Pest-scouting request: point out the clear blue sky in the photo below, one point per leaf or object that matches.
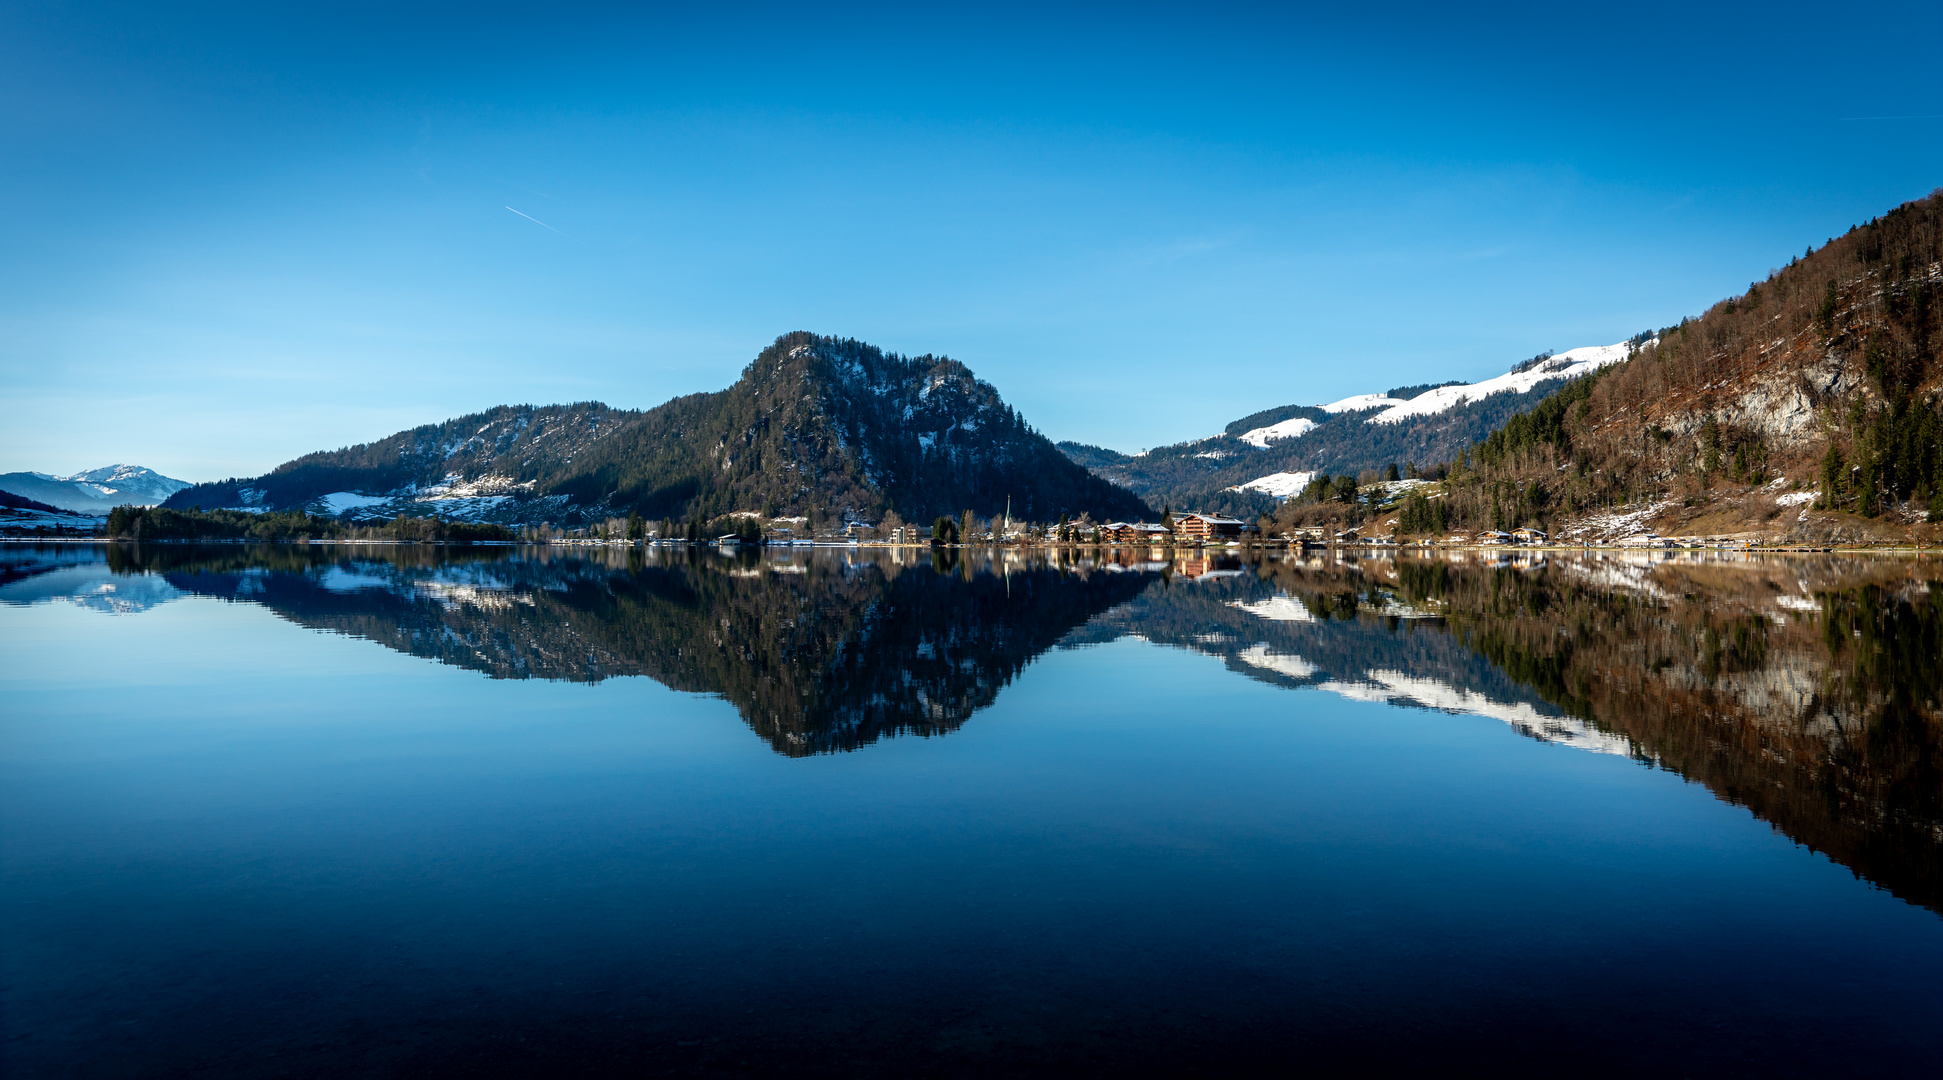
(234, 235)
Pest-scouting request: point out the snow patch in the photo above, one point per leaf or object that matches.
(1392, 489)
(465, 508)
(1363, 403)
(1288, 429)
(1615, 524)
(337, 502)
(1281, 485)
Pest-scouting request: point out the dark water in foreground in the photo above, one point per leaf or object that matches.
(386, 813)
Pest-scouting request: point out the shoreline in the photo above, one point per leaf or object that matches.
(1176, 549)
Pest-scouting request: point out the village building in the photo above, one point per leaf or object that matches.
(1140, 532)
(1206, 528)
(1645, 540)
(1493, 536)
(1529, 536)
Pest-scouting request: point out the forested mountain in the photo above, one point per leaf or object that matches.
(1273, 453)
(814, 425)
(1806, 409)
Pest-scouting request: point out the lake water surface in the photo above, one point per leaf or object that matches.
(397, 811)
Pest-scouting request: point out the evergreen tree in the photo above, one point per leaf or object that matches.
(1831, 477)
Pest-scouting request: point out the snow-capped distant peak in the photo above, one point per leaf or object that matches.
(110, 474)
(95, 490)
(113, 477)
(1287, 429)
(1360, 403)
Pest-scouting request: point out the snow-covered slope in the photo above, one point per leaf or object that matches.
(1386, 410)
(1565, 365)
(1273, 452)
(488, 499)
(26, 521)
(1360, 403)
(1281, 485)
(1287, 429)
(95, 491)
(496, 499)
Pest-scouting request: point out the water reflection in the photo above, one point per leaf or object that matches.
(1805, 689)
(819, 654)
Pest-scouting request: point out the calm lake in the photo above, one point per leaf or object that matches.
(398, 811)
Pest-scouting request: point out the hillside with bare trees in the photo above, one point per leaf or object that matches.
(1804, 409)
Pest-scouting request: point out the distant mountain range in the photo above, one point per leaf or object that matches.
(1271, 454)
(96, 491)
(814, 425)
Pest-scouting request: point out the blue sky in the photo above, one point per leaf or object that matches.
(237, 234)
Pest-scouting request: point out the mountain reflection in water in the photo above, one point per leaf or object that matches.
(1805, 689)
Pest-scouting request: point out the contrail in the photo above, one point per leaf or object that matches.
(538, 222)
